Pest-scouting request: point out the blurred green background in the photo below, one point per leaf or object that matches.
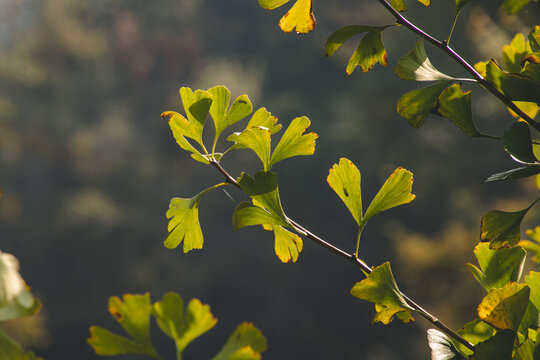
(87, 168)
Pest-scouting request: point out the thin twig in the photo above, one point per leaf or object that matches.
(352, 258)
(443, 45)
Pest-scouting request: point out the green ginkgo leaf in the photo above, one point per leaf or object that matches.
(380, 288)
(196, 105)
(272, 4)
(263, 189)
(503, 308)
(294, 142)
(513, 6)
(532, 246)
(395, 191)
(182, 328)
(519, 87)
(516, 173)
(425, 2)
(455, 105)
(263, 118)
(337, 38)
(256, 139)
(344, 178)
(416, 66)
(501, 228)
(180, 128)
(442, 347)
(133, 313)
(287, 245)
(498, 267)
(224, 116)
(247, 214)
(398, 5)
(300, 16)
(370, 51)
(515, 52)
(246, 343)
(533, 281)
(534, 38)
(416, 105)
(497, 347)
(517, 142)
(528, 350)
(474, 332)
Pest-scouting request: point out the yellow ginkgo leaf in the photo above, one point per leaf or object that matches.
(300, 17)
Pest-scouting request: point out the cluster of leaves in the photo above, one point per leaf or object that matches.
(182, 326)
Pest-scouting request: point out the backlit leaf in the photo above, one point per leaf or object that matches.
(520, 87)
(504, 308)
(532, 246)
(133, 313)
(294, 142)
(256, 139)
(498, 347)
(184, 224)
(182, 328)
(263, 189)
(515, 52)
(300, 16)
(498, 267)
(247, 214)
(380, 288)
(513, 6)
(263, 118)
(395, 191)
(455, 105)
(516, 173)
(533, 281)
(425, 2)
(399, 5)
(344, 178)
(337, 38)
(534, 38)
(224, 116)
(530, 319)
(416, 66)
(416, 105)
(246, 343)
(529, 108)
(474, 332)
(527, 351)
(442, 347)
(180, 128)
(196, 105)
(287, 245)
(272, 4)
(517, 142)
(481, 67)
(501, 228)
(370, 50)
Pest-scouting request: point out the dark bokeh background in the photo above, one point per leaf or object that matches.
(87, 168)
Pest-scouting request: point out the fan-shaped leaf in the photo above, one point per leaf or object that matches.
(517, 142)
(398, 5)
(516, 173)
(474, 332)
(337, 38)
(504, 308)
(294, 142)
(263, 189)
(300, 16)
(196, 105)
(245, 343)
(534, 38)
(520, 87)
(395, 191)
(380, 288)
(224, 116)
(287, 245)
(498, 347)
(533, 281)
(370, 50)
(416, 105)
(513, 6)
(515, 52)
(272, 4)
(455, 105)
(442, 347)
(256, 139)
(501, 228)
(498, 266)
(247, 214)
(416, 66)
(532, 246)
(344, 178)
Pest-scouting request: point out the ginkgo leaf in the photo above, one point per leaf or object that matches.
(300, 16)
(247, 214)
(182, 328)
(416, 66)
(528, 350)
(516, 173)
(498, 267)
(398, 5)
(503, 308)
(272, 4)
(196, 105)
(184, 222)
(337, 38)
(534, 38)
(344, 178)
(513, 6)
(515, 52)
(517, 142)
(246, 343)
(501, 228)
(520, 87)
(263, 118)
(532, 246)
(442, 347)
(287, 245)
(395, 191)
(529, 108)
(455, 105)
(224, 116)
(497, 347)
(263, 189)
(370, 51)
(180, 128)
(474, 332)
(294, 142)
(416, 105)
(133, 313)
(380, 288)
(256, 139)
(533, 281)
(425, 2)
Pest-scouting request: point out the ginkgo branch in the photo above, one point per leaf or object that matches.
(443, 45)
(353, 258)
